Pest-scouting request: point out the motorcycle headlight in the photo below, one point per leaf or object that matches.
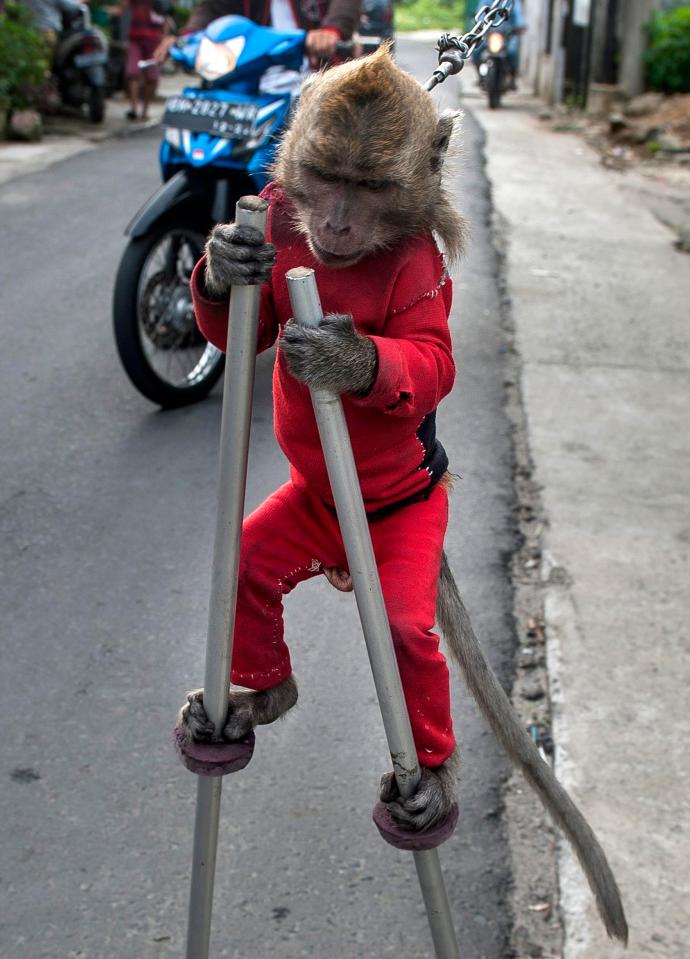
(495, 42)
(215, 60)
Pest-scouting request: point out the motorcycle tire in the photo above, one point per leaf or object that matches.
(96, 104)
(143, 338)
(494, 86)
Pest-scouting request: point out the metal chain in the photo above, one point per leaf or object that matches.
(454, 51)
(486, 18)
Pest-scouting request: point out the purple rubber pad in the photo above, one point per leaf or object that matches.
(213, 759)
(413, 841)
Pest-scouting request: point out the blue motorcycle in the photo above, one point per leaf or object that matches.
(220, 138)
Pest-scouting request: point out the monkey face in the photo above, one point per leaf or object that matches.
(362, 162)
(345, 213)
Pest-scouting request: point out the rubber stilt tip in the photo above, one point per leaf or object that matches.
(213, 759)
(413, 841)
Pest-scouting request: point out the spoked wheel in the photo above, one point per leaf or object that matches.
(161, 348)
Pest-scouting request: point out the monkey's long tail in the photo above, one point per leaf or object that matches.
(482, 682)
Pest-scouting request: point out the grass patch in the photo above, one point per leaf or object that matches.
(429, 15)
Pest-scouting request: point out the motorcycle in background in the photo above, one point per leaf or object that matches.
(80, 62)
(220, 138)
(376, 25)
(496, 64)
(495, 68)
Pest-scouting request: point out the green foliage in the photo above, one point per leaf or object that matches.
(429, 15)
(99, 16)
(24, 58)
(180, 15)
(668, 56)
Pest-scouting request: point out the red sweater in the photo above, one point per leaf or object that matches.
(400, 299)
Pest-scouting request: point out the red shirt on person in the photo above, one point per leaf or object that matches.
(145, 23)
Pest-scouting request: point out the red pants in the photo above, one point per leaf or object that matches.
(289, 538)
(141, 48)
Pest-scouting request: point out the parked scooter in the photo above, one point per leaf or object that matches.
(496, 72)
(80, 62)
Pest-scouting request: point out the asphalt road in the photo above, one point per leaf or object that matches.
(106, 518)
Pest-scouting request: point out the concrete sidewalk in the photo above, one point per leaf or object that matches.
(66, 136)
(600, 303)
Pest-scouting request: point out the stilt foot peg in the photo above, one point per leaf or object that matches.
(413, 841)
(213, 759)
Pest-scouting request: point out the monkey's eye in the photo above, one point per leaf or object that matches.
(322, 175)
(373, 185)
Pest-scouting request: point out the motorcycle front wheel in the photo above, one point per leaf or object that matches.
(494, 85)
(161, 349)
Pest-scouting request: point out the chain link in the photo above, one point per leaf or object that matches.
(461, 48)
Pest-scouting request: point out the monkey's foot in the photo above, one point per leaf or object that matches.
(195, 734)
(427, 817)
(246, 709)
(403, 838)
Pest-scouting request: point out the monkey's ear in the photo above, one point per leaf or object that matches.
(439, 144)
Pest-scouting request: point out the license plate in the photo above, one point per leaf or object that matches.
(223, 118)
(89, 59)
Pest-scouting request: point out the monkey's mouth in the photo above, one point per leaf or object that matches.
(332, 259)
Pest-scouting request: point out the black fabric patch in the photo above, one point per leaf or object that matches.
(435, 459)
(435, 463)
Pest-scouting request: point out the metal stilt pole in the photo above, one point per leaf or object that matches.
(349, 506)
(234, 446)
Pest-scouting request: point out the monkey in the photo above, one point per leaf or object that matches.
(357, 193)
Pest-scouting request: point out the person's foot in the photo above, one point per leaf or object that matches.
(131, 114)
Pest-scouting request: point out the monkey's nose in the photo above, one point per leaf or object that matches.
(338, 229)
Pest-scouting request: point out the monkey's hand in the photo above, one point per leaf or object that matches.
(236, 256)
(332, 356)
(245, 711)
(430, 803)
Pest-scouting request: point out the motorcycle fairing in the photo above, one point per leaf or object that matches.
(194, 149)
(262, 48)
(69, 44)
(177, 189)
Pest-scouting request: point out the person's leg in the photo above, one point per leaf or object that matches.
(133, 94)
(408, 546)
(149, 79)
(148, 91)
(132, 76)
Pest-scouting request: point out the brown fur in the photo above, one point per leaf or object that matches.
(332, 356)
(370, 120)
(481, 681)
(245, 711)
